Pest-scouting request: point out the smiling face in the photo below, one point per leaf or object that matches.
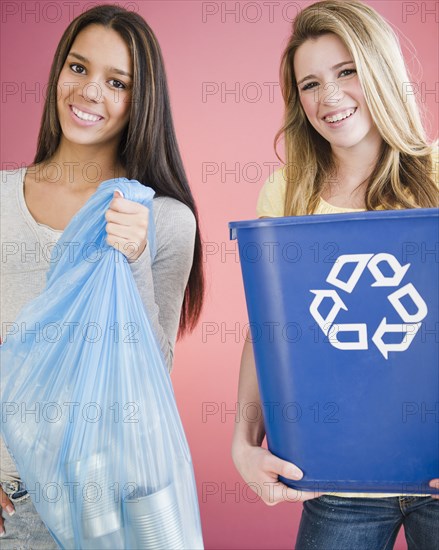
(94, 88)
(331, 94)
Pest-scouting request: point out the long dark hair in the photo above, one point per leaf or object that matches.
(148, 149)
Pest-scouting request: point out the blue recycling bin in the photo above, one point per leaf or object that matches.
(343, 312)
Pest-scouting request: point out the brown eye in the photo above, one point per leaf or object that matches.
(348, 71)
(76, 68)
(118, 84)
(309, 86)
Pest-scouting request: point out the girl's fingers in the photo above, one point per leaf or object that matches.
(273, 493)
(120, 204)
(130, 218)
(5, 503)
(435, 484)
(282, 467)
(125, 232)
(132, 250)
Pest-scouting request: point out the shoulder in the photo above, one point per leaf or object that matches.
(168, 205)
(271, 199)
(10, 178)
(170, 213)
(175, 223)
(10, 181)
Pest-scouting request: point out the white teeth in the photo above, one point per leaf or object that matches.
(85, 116)
(340, 116)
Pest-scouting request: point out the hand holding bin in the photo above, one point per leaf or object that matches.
(343, 312)
(104, 457)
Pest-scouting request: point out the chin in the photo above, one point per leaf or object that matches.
(70, 137)
(348, 143)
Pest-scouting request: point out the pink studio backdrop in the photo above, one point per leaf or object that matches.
(222, 63)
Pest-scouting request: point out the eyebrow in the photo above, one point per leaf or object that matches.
(332, 68)
(112, 69)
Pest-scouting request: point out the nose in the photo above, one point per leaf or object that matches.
(331, 94)
(91, 91)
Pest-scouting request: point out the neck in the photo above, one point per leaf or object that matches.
(82, 166)
(355, 164)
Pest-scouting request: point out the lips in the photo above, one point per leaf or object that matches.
(340, 115)
(84, 115)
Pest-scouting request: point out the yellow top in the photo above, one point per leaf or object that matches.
(272, 196)
(271, 204)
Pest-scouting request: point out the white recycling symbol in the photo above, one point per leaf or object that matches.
(410, 324)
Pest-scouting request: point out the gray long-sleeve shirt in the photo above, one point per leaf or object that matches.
(25, 260)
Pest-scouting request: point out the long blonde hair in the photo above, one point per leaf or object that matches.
(402, 176)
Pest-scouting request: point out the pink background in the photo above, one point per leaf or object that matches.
(226, 141)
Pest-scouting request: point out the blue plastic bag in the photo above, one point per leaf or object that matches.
(88, 410)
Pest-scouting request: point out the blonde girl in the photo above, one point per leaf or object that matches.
(353, 141)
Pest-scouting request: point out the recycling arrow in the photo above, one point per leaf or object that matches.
(408, 290)
(349, 285)
(383, 328)
(398, 270)
(325, 323)
(359, 328)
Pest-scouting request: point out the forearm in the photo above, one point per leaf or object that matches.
(249, 431)
(143, 276)
(162, 281)
(257, 466)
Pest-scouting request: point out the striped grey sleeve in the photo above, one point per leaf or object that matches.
(162, 282)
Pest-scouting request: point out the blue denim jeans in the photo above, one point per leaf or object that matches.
(336, 523)
(24, 530)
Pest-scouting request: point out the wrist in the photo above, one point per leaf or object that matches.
(239, 450)
(241, 447)
(141, 252)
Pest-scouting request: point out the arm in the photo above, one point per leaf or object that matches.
(162, 282)
(257, 466)
(5, 504)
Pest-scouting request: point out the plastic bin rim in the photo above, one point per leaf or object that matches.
(325, 218)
